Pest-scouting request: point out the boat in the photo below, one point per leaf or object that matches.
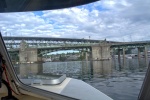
(58, 87)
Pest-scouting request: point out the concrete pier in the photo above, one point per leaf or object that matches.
(119, 58)
(29, 69)
(124, 59)
(121, 51)
(101, 55)
(139, 54)
(145, 55)
(144, 49)
(87, 56)
(28, 61)
(27, 54)
(102, 67)
(101, 52)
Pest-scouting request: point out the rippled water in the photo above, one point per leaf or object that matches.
(123, 87)
(119, 82)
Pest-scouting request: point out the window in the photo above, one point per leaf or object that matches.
(48, 45)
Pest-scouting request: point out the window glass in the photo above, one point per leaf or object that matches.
(105, 44)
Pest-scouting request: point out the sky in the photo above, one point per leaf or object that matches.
(115, 20)
(63, 51)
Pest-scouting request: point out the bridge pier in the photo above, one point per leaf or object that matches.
(145, 55)
(119, 58)
(28, 59)
(101, 57)
(101, 52)
(27, 69)
(144, 50)
(86, 56)
(139, 54)
(102, 67)
(123, 57)
(124, 60)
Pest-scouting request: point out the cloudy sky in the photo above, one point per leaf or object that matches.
(117, 20)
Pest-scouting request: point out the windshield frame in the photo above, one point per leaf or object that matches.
(23, 87)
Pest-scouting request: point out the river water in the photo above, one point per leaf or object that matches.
(119, 82)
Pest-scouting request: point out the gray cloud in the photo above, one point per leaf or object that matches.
(118, 20)
(138, 11)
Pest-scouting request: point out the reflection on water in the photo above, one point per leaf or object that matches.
(119, 82)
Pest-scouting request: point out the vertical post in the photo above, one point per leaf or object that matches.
(83, 70)
(139, 54)
(83, 65)
(145, 55)
(123, 56)
(86, 56)
(119, 61)
(83, 57)
(88, 63)
(114, 58)
(102, 52)
(91, 63)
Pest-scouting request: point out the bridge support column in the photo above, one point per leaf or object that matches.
(119, 58)
(83, 55)
(139, 54)
(124, 60)
(86, 56)
(145, 55)
(101, 52)
(27, 69)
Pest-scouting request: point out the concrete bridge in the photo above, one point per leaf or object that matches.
(28, 51)
(97, 49)
(49, 41)
(43, 45)
(42, 42)
(99, 52)
(130, 44)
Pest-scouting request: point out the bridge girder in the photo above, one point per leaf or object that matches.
(44, 41)
(43, 51)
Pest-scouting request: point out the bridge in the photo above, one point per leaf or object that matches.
(131, 44)
(49, 41)
(98, 49)
(11, 41)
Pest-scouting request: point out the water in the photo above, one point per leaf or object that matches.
(119, 82)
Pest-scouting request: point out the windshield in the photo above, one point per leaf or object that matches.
(105, 44)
